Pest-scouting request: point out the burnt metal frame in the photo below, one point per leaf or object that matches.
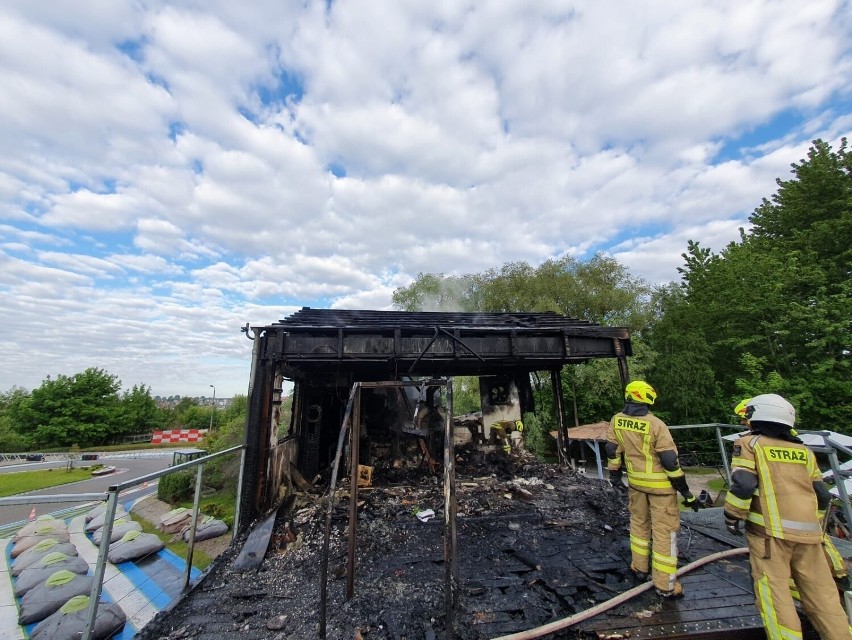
(353, 416)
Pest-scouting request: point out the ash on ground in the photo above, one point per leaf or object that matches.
(536, 543)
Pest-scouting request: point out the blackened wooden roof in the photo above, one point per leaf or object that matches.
(309, 319)
(384, 343)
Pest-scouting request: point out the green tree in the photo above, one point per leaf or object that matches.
(82, 409)
(598, 290)
(773, 311)
(139, 412)
(11, 438)
(189, 414)
(466, 395)
(230, 432)
(682, 371)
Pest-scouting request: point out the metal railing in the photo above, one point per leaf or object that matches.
(111, 496)
(720, 440)
(829, 447)
(87, 456)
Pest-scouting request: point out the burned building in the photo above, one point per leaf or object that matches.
(539, 547)
(322, 353)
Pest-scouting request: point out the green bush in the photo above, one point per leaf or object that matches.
(536, 437)
(176, 486)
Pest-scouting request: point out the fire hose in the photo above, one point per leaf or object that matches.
(564, 623)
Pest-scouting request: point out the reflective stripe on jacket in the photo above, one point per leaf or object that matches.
(640, 439)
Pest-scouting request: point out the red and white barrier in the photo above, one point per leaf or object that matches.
(177, 435)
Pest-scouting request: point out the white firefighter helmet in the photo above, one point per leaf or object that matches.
(770, 407)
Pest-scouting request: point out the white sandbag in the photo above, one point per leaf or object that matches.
(25, 544)
(134, 545)
(208, 527)
(70, 621)
(39, 602)
(119, 528)
(46, 567)
(99, 520)
(36, 553)
(41, 526)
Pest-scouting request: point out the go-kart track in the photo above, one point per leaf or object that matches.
(141, 587)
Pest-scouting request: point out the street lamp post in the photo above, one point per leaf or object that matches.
(214, 408)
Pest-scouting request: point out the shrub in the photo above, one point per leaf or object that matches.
(536, 437)
(176, 486)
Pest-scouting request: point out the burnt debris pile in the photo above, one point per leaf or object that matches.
(535, 543)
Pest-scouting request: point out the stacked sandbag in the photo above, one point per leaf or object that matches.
(70, 621)
(134, 545)
(37, 531)
(175, 521)
(42, 524)
(36, 574)
(207, 527)
(99, 519)
(47, 598)
(119, 528)
(37, 552)
(96, 511)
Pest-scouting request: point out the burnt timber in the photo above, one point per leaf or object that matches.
(538, 543)
(323, 352)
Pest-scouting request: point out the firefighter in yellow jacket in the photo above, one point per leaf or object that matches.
(653, 477)
(776, 487)
(835, 561)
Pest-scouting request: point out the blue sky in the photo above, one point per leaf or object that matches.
(174, 170)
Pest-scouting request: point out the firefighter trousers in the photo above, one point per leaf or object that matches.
(654, 523)
(773, 563)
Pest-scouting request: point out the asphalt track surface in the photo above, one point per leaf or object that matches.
(128, 467)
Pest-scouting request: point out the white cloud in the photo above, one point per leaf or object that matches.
(166, 174)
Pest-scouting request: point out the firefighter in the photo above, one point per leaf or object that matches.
(835, 561)
(509, 433)
(782, 527)
(653, 476)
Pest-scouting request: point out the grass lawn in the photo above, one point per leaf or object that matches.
(23, 481)
(180, 548)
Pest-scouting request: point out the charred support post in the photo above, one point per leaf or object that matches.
(451, 567)
(250, 493)
(354, 451)
(332, 485)
(621, 359)
(561, 443)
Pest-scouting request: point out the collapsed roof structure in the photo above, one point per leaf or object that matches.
(323, 352)
(386, 377)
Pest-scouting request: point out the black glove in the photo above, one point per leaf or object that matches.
(615, 479)
(732, 524)
(691, 502)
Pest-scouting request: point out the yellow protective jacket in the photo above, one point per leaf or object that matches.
(774, 484)
(641, 440)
